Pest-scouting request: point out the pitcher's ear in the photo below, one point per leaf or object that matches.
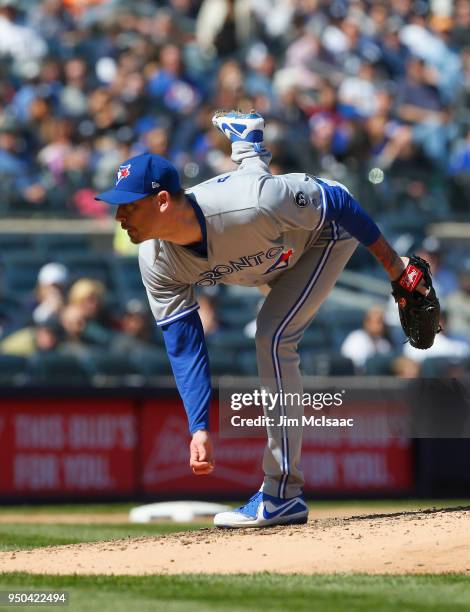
(163, 200)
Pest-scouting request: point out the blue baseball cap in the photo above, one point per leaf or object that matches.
(141, 176)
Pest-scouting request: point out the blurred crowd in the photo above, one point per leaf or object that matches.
(74, 318)
(67, 317)
(372, 93)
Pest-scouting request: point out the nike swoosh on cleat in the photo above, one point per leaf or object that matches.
(235, 128)
(280, 509)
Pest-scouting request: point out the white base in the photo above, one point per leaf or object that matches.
(179, 511)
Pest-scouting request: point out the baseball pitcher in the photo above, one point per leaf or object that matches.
(293, 233)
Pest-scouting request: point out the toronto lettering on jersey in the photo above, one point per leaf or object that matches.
(210, 278)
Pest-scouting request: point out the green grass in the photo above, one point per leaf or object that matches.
(373, 504)
(266, 592)
(78, 508)
(15, 536)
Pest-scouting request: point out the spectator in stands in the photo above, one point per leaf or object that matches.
(420, 104)
(50, 291)
(123, 74)
(394, 54)
(45, 301)
(41, 338)
(460, 28)
(47, 335)
(135, 329)
(170, 86)
(444, 279)
(358, 94)
(73, 323)
(20, 184)
(18, 41)
(87, 296)
(457, 305)
(371, 340)
(329, 142)
(223, 26)
(404, 367)
(459, 162)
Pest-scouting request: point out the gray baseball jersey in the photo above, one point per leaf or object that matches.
(258, 225)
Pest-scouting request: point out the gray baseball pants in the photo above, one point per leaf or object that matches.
(291, 304)
(288, 310)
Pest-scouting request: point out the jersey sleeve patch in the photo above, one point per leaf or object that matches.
(301, 199)
(295, 203)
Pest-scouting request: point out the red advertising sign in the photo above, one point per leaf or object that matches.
(165, 456)
(332, 463)
(107, 446)
(63, 446)
(364, 458)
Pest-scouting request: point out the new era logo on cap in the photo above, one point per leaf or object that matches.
(140, 177)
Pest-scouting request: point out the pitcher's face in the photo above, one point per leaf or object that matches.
(140, 219)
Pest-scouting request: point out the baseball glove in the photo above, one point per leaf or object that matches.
(419, 314)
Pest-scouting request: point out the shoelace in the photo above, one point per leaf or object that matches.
(252, 504)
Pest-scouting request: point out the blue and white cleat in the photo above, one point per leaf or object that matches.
(264, 510)
(244, 127)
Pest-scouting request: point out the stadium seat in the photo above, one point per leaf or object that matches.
(16, 244)
(442, 367)
(230, 297)
(152, 363)
(341, 322)
(57, 369)
(9, 308)
(20, 274)
(156, 336)
(380, 365)
(403, 222)
(326, 364)
(238, 310)
(247, 363)
(14, 370)
(231, 340)
(55, 246)
(126, 278)
(223, 362)
(361, 260)
(347, 318)
(89, 265)
(315, 337)
(236, 316)
(108, 369)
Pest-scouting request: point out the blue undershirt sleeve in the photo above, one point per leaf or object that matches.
(345, 210)
(187, 351)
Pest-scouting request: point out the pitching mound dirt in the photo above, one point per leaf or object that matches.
(107, 518)
(430, 541)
